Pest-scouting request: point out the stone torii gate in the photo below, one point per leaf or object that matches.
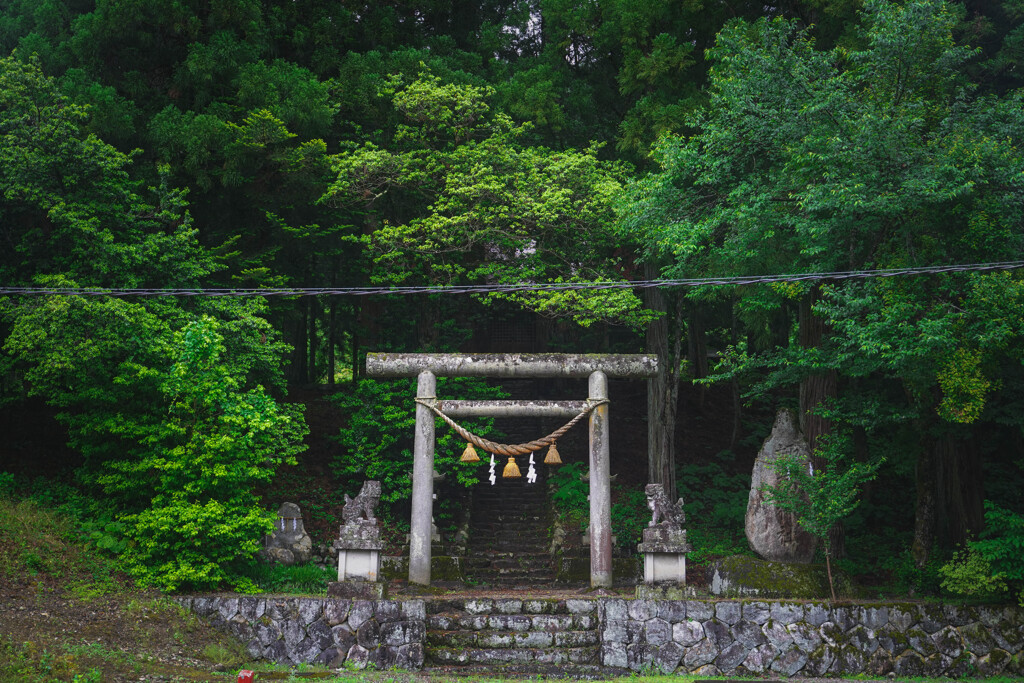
(427, 367)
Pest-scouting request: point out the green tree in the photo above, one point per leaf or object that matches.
(820, 497)
(459, 198)
(199, 466)
(880, 155)
(162, 398)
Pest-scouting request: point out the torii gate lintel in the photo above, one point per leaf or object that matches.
(596, 367)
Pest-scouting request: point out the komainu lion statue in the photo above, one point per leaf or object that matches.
(363, 505)
(664, 512)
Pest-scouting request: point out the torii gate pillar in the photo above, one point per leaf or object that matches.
(600, 487)
(427, 367)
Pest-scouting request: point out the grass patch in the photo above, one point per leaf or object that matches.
(305, 579)
(69, 615)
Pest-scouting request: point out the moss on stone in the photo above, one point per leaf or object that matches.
(577, 570)
(446, 568)
(741, 575)
(443, 568)
(394, 568)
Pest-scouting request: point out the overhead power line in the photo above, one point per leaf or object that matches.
(511, 288)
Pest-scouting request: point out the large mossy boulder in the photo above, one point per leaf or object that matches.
(742, 576)
(773, 533)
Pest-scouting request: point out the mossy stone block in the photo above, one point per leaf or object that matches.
(740, 576)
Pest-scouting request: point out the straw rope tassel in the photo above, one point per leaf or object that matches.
(552, 458)
(469, 455)
(511, 469)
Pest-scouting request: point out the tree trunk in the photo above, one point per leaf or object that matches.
(301, 369)
(924, 508)
(950, 493)
(734, 384)
(664, 338)
(817, 389)
(697, 348)
(332, 323)
(314, 340)
(959, 490)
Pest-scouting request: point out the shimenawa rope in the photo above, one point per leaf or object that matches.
(517, 449)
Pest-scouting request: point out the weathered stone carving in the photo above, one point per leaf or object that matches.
(664, 512)
(288, 543)
(773, 533)
(664, 542)
(363, 505)
(359, 547)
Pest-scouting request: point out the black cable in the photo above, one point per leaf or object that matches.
(512, 288)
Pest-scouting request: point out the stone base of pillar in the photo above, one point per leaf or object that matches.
(357, 590)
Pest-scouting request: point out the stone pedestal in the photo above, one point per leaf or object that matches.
(359, 565)
(359, 555)
(664, 548)
(356, 590)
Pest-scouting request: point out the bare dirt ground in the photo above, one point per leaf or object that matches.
(52, 632)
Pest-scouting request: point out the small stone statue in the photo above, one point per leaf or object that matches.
(663, 512)
(359, 547)
(664, 547)
(288, 543)
(362, 506)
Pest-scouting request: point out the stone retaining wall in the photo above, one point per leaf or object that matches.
(379, 633)
(739, 638)
(697, 637)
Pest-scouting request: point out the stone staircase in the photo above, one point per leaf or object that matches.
(537, 636)
(509, 535)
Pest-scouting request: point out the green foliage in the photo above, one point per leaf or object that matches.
(377, 440)
(990, 565)
(6, 485)
(569, 494)
(199, 466)
(715, 501)
(908, 578)
(39, 542)
(630, 516)
(820, 497)
(970, 573)
(280, 578)
(457, 197)
(873, 153)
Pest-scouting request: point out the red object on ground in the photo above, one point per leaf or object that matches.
(246, 676)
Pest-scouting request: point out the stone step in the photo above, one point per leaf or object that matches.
(490, 554)
(484, 511)
(528, 606)
(535, 536)
(484, 564)
(501, 564)
(459, 655)
(492, 550)
(513, 535)
(507, 548)
(547, 623)
(586, 672)
(511, 571)
(512, 639)
(512, 519)
(532, 494)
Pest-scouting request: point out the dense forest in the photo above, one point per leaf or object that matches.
(308, 144)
